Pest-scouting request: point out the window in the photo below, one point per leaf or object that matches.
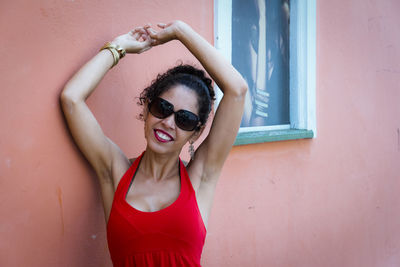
(272, 44)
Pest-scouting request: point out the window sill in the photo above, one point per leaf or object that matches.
(271, 136)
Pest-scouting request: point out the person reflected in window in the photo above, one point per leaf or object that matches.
(260, 39)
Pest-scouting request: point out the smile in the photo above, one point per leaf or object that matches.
(162, 136)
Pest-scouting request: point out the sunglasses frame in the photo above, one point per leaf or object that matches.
(176, 114)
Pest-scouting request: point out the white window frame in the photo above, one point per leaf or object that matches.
(302, 72)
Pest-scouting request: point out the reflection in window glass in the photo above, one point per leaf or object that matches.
(260, 52)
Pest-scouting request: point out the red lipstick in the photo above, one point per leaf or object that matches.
(162, 136)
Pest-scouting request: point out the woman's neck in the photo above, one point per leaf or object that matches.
(159, 166)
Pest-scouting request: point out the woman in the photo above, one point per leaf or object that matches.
(157, 209)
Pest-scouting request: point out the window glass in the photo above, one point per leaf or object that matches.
(260, 52)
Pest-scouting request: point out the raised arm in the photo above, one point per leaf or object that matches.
(212, 153)
(103, 155)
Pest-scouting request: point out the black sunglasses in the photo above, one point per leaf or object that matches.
(184, 119)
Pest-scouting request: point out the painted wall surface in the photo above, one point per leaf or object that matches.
(330, 201)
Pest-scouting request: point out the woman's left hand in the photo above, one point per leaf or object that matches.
(167, 33)
(136, 41)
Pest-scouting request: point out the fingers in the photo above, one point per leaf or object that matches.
(135, 35)
(161, 25)
(147, 36)
(147, 28)
(137, 32)
(144, 37)
(146, 44)
(151, 32)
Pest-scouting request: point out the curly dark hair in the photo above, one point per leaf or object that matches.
(189, 76)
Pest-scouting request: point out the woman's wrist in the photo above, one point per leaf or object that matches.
(119, 43)
(116, 50)
(108, 58)
(181, 28)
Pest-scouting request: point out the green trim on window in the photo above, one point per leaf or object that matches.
(271, 136)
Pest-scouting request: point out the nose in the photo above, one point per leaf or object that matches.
(169, 121)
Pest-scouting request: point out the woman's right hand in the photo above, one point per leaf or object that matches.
(166, 33)
(136, 41)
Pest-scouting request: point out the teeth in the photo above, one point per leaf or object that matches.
(163, 136)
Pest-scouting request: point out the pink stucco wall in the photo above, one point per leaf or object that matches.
(330, 201)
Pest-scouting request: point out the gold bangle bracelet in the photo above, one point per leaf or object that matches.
(119, 49)
(116, 51)
(115, 55)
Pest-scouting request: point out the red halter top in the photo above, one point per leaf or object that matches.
(173, 236)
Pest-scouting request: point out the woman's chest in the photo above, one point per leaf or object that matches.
(148, 195)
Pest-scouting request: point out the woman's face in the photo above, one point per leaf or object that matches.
(162, 135)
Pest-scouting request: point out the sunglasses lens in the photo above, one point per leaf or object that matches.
(186, 120)
(160, 108)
